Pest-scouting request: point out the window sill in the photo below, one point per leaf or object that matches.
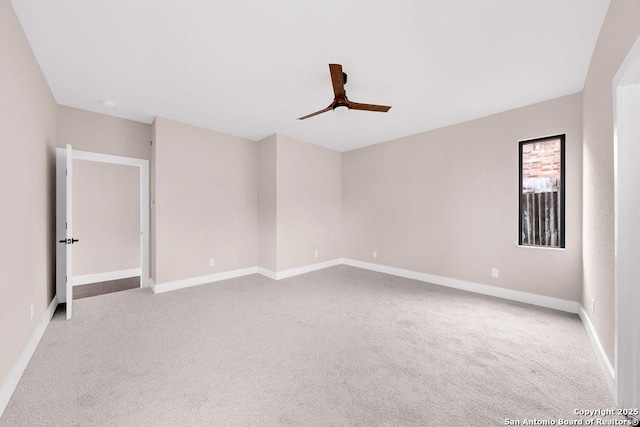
(546, 248)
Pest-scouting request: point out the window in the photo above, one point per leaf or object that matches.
(542, 195)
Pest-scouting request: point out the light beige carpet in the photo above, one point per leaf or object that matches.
(341, 346)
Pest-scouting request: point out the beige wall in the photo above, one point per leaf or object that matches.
(27, 177)
(445, 202)
(206, 201)
(619, 31)
(309, 181)
(106, 217)
(99, 133)
(267, 205)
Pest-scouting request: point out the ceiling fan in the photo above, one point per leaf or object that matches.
(339, 79)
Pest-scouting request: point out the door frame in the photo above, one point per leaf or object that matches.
(143, 165)
(626, 116)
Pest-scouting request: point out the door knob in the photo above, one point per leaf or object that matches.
(68, 241)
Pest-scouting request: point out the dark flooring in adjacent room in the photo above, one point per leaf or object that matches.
(93, 289)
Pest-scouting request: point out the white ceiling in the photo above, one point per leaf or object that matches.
(251, 67)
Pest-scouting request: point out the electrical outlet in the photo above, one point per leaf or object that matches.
(315, 254)
(375, 254)
(212, 262)
(33, 311)
(494, 272)
(593, 305)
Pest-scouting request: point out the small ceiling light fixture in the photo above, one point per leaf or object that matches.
(108, 103)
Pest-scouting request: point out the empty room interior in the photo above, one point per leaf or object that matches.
(320, 213)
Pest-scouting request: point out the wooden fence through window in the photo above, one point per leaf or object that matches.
(541, 218)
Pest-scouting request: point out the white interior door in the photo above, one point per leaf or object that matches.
(64, 227)
(627, 196)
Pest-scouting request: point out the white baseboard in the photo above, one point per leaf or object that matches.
(201, 280)
(147, 282)
(495, 291)
(299, 270)
(104, 277)
(509, 294)
(269, 273)
(10, 383)
(603, 360)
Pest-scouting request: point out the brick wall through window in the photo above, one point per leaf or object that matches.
(542, 192)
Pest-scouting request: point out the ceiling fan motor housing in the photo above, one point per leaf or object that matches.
(340, 104)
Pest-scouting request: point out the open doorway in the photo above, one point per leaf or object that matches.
(106, 221)
(626, 98)
(112, 248)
